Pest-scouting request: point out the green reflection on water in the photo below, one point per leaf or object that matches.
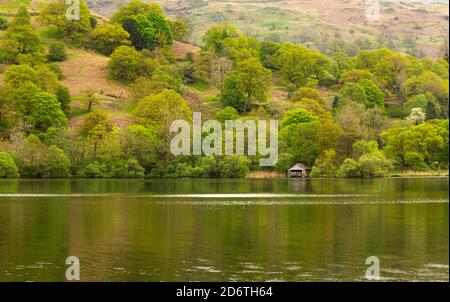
(284, 229)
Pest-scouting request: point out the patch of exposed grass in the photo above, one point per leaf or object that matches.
(199, 86)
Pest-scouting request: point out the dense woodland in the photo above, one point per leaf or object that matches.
(374, 114)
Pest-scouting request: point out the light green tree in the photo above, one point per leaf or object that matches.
(108, 37)
(8, 167)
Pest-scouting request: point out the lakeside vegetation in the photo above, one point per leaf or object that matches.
(373, 114)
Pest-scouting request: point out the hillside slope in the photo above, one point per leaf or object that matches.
(316, 23)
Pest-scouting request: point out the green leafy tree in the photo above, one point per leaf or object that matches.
(94, 119)
(63, 96)
(108, 37)
(46, 112)
(427, 102)
(329, 134)
(246, 86)
(179, 29)
(284, 162)
(56, 53)
(301, 66)
(374, 165)
(297, 116)
(146, 24)
(21, 97)
(430, 82)
(55, 14)
(314, 107)
(429, 140)
(143, 87)
(164, 79)
(267, 53)
(215, 36)
(141, 143)
(227, 114)
(306, 93)
(382, 64)
(233, 166)
(8, 167)
(349, 168)
(56, 163)
(362, 147)
(160, 111)
(126, 64)
(7, 112)
(134, 8)
(300, 139)
(17, 75)
(241, 48)
(21, 39)
(31, 153)
(325, 164)
(355, 76)
(22, 17)
(352, 92)
(46, 79)
(90, 98)
(374, 95)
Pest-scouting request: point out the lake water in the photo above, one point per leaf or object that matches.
(224, 230)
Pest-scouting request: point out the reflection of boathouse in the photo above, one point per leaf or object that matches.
(299, 170)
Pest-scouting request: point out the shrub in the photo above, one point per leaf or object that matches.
(127, 64)
(349, 168)
(93, 170)
(227, 114)
(324, 166)
(56, 164)
(56, 53)
(8, 167)
(63, 97)
(123, 168)
(93, 21)
(285, 161)
(307, 93)
(3, 23)
(415, 161)
(234, 166)
(395, 111)
(108, 37)
(374, 165)
(56, 69)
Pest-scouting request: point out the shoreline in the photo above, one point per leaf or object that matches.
(229, 178)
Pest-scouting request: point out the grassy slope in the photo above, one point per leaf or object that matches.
(86, 69)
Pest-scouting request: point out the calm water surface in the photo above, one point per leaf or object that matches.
(224, 230)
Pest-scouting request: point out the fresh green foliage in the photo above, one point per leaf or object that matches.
(246, 86)
(56, 53)
(108, 37)
(344, 112)
(146, 24)
(54, 14)
(3, 23)
(179, 30)
(8, 167)
(297, 116)
(127, 64)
